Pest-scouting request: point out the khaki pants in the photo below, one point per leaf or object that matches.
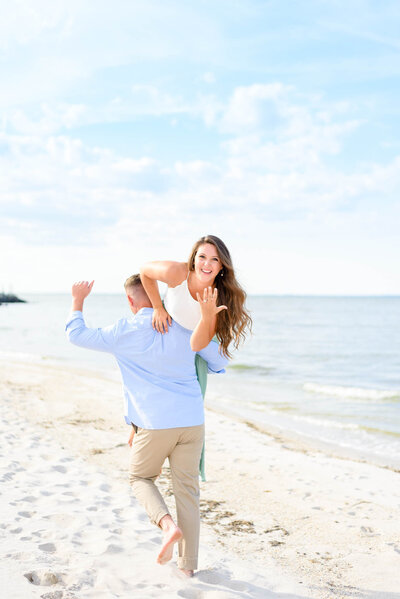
(182, 446)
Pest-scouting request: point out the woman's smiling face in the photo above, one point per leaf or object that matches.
(207, 263)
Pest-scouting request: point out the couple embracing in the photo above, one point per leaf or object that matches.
(164, 354)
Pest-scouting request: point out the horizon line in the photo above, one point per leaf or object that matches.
(269, 294)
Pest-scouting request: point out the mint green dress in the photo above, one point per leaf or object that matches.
(202, 371)
(186, 311)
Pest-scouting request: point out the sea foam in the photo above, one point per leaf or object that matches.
(352, 392)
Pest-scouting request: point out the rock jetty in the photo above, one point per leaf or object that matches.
(10, 298)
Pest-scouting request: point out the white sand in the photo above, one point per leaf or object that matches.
(279, 519)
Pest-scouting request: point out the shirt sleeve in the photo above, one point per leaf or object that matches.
(98, 339)
(216, 361)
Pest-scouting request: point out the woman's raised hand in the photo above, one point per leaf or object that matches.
(161, 319)
(208, 303)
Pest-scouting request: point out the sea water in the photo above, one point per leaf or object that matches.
(322, 368)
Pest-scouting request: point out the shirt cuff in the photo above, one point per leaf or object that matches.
(72, 316)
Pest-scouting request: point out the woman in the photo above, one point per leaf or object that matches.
(208, 270)
(209, 265)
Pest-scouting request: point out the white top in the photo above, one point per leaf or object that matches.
(182, 307)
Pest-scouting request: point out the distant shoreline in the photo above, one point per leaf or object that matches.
(10, 298)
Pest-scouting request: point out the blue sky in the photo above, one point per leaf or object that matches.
(129, 129)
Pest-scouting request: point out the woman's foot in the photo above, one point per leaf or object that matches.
(171, 535)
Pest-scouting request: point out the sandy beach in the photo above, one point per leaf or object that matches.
(280, 519)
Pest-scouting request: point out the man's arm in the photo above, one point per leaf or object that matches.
(77, 331)
(216, 361)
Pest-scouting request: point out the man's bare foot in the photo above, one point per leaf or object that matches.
(188, 573)
(172, 534)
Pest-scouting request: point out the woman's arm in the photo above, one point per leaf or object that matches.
(172, 273)
(205, 329)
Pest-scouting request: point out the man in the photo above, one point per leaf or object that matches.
(163, 400)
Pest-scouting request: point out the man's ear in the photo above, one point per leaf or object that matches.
(131, 301)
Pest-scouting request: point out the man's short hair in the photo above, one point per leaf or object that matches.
(133, 283)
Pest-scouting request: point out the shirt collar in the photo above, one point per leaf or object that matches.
(144, 311)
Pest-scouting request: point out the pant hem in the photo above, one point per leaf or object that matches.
(187, 563)
(158, 517)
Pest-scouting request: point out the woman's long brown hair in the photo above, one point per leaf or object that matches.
(233, 323)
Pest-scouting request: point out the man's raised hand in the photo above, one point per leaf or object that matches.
(80, 291)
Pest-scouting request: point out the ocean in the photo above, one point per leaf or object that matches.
(324, 369)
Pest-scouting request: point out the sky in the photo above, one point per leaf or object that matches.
(130, 129)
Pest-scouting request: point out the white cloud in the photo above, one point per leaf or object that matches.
(48, 119)
(148, 99)
(285, 169)
(128, 165)
(51, 48)
(23, 21)
(248, 105)
(58, 192)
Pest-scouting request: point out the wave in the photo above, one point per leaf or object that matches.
(251, 368)
(320, 421)
(352, 392)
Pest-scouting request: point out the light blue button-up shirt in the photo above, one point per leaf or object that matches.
(158, 371)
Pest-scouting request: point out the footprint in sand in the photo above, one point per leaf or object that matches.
(29, 498)
(112, 548)
(190, 594)
(142, 517)
(367, 530)
(48, 547)
(19, 556)
(46, 456)
(107, 499)
(61, 469)
(26, 514)
(43, 578)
